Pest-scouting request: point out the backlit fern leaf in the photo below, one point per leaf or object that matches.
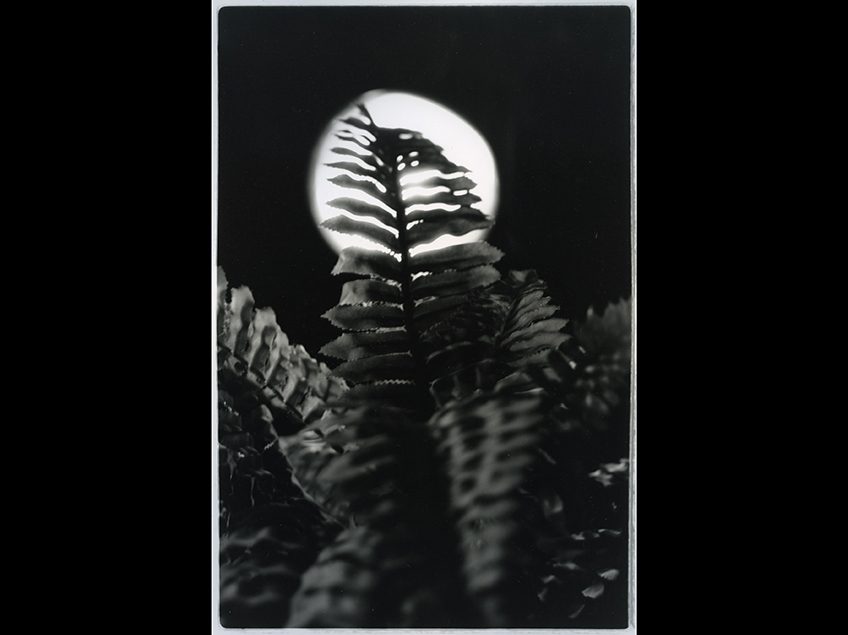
(400, 293)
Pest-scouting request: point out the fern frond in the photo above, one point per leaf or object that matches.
(356, 345)
(502, 330)
(355, 462)
(403, 292)
(341, 588)
(591, 373)
(270, 533)
(453, 282)
(256, 362)
(366, 317)
(608, 334)
(488, 444)
(370, 466)
(364, 262)
(500, 351)
(262, 562)
(457, 257)
(372, 579)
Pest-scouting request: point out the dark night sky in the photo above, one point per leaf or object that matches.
(548, 87)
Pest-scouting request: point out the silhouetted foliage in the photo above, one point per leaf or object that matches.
(463, 466)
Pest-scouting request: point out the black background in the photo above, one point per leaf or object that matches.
(548, 87)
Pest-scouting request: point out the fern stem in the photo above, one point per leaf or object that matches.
(406, 286)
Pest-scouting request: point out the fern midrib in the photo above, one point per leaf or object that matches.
(394, 189)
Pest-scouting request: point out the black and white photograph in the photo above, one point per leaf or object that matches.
(423, 310)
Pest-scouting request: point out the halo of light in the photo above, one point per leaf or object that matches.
(462, 144)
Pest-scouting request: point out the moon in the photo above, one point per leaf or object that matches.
(462, 145)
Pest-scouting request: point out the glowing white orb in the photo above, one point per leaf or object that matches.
(461, 144)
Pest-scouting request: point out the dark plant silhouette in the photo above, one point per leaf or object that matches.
(472, 473)
(399, 295)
